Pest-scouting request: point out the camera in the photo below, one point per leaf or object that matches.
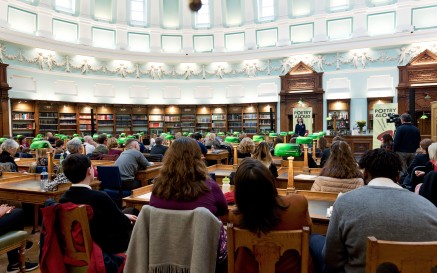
(394, 118)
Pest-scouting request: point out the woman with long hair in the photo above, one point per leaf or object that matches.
(261, 210)
(262, 153)
(183, 183)
(341, 172)
(300, 128)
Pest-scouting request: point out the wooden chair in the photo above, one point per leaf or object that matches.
(13, 240)
(67, 219)
(268, 248)
(408, 257)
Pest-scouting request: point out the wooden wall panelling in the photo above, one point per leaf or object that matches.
(301, 82)
(4, 101)
(434, 121)
(420, 78)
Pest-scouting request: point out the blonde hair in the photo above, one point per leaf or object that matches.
(262, 153)
(247, 146)
(112, 143)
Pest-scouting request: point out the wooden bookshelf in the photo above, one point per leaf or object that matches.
(123, 119)
(105, 119)
(156, 120)
(188, 118)
(86, 120)
(219, 118)
(203, 119)
(235, 118)
(172, 119)
(140, 120)
(250, 119)
(23, 118)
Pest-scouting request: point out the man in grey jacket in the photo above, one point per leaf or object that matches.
(130, 161)
(382, 209)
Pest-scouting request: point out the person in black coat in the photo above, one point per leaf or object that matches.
(158, 149)
(421, 159)
(406, 141)
(110, 227)
(9, 149)
(429, 187)
(300, 128)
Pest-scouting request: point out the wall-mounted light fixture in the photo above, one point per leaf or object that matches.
(427, 97)
(300, 102)
(424, 116)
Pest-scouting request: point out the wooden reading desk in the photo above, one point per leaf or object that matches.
(26, 188)
(221, 171)
(218, 155)
(149, 173)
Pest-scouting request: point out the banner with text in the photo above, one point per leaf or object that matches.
(380, 124)
(307, 115)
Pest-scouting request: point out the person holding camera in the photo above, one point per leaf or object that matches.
(406, 141)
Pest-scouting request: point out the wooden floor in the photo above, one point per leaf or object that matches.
(31, 254)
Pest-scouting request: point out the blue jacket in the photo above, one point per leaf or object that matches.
(300, 130)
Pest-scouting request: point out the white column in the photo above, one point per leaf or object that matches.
(155, 40)
(320, 34)
(249, 11)
(320, 6)
(45, 24)
(187, 42)
(283, 10)
(155, 11)
(121, 38)
(121, 6)
(85, 33)
(217, 14)
(250, 38)
(403, 15)
(3, 14)
(219, 41)
(283, 34)
(85, 8)
(187, 16)
(360, 25)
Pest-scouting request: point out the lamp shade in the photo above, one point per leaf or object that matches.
(313, 136)
(109, 135)
(273, 135)
(231, 139)
(75, 135)
(185, 134)
(258, 138)
(291, 133)
(283, 133)
(123, 135)
(95, 136)
(37, 139)
(287, 149)
(304, 140)
(236, 133)
(190, 134)
(2, 139)
(39, 136)
(220, 133)
(40, 144)
(122, 139)
(169, 137)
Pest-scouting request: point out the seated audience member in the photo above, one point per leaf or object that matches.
(50, 138)
(327, 151)
(211, 141)
(24, 146)
(261, 210)
(341, 172)
(262, 153)
(110, 227)
(101, 148)
(12, 219)
(74, 146)
(246, 148)
(90, 145)
(431, 165)
(275, 142)
(382, 209)
(112, 145)
(429, 187)
(9, 149)
(130, 161)
(59, 146)
(152, 140)
(183, 183)
(311, 162)
(158, 149)
(198, 137)
(421, 159)
(387, 142)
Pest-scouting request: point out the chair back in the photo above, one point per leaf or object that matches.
(268, 248)
(112, 157)
(408, 257)
(154, 157)
(68, 218)
(110, 177)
